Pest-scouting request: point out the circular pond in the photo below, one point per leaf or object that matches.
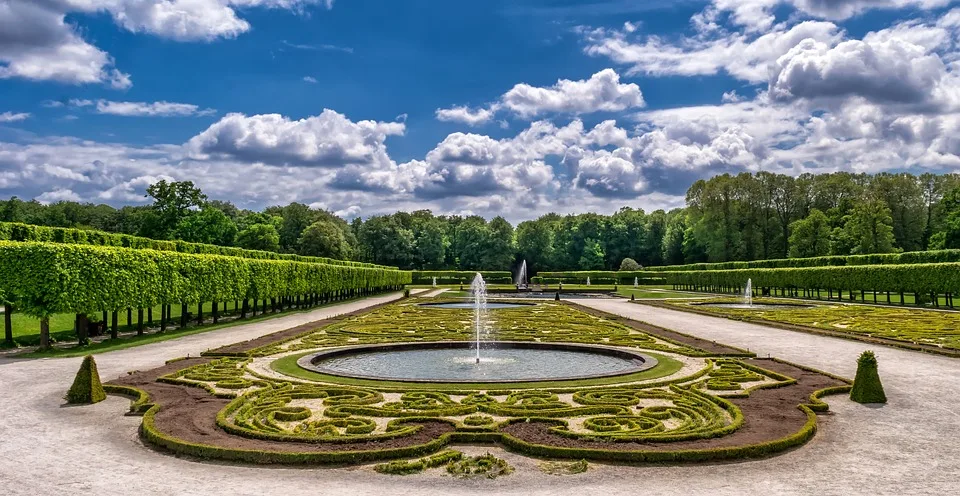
(491, 305)
(456, 362)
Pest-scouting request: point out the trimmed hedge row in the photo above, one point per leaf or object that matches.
(46, 278)
(15, 231)
(461, 276)
(907, 278)
(625, 277)
(912, 257)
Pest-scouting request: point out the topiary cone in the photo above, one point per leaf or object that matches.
(86, 388)
(866, 385)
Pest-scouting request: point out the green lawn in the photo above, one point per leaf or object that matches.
(644, 292)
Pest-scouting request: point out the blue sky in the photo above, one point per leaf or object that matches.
(513, 108)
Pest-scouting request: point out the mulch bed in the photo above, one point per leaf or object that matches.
(189, 413)
(693, 341)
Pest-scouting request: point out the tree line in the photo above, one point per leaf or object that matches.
(726, 218)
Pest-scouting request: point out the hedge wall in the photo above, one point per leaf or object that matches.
(461, 276)
(597, 277)
(13, 231)
(913, 257)
(46, 278)
(907, 278)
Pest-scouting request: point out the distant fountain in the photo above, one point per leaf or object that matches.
(748, 294)
(434, 281)
(479, 289)
(522, 276)
(636, 282)
(588, 280)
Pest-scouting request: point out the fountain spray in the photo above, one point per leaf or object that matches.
(479, 289)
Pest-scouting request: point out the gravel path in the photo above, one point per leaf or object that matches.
(910, 446)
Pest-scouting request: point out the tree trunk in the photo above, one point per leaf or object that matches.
(129, 317)
(150, 315)
(163, 317)
(200, 313)
(113, 325)
(216, 308)
(45, 333)
(82, 324)
(183, 315)
(139, 322)
(7, 325)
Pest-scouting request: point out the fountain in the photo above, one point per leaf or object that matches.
(479, 290)
(522, 276)
(588, 280)
(636, 282)
(746, 302)
(434, 281)
(748, 294)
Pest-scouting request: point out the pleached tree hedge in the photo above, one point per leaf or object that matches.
(924, 279)
(912, 257)
(14, 231)
(461, 276)
(42, 279)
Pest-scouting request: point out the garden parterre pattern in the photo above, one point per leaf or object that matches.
(909, 325)
(684, 407)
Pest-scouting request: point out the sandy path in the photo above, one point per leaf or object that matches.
(908, 447)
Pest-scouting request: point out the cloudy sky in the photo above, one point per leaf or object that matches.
(495, 107)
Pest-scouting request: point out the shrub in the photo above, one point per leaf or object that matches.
(564, 468)
(486, 465)
(866, 385)
(86, 388)
(629, 264)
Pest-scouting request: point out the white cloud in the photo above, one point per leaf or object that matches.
(36, 43)
(603, 92)
(892, 70)
(326, 140)
(310, 79)
(743, 56)
(731, 97)
(758, 15)
(58, 195)
(465, 115)
(154, 109)
(14, 117)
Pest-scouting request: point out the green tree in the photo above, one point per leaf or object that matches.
(535, 243)
(869, 227)
(593, 256)
(259, 237)
(810, 237)
(431, 242)
(673, 239)
(385, 241)
(324, 238)
(498, 248)
(296, 218)
(172, 203)
(950, 204)
(209, 225)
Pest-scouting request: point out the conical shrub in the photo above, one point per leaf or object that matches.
(86, 388)
(866, 385)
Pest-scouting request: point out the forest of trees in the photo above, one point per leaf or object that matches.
(742, 217)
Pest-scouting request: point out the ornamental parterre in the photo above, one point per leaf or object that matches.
(703, 401)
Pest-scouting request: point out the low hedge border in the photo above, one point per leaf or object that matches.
(139, 399)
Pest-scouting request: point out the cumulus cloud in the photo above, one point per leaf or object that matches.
(14, 117)
(465, 115)
(57, 195)
(36, 43)
(326, 140)
(602, 92)
(154, 109)
(891, 70)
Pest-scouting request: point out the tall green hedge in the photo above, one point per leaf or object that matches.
(597, 277)
(913, 257)
(46, 278)
(907, 278)
(461, 276)
(13, 231)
